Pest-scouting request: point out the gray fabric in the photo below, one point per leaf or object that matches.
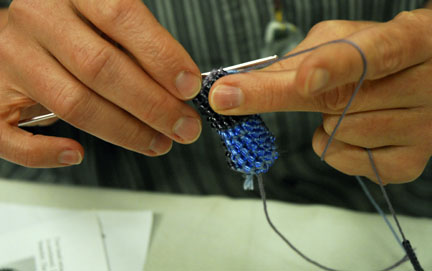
(219, 33)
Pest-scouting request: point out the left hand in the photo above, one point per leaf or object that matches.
(391, 114)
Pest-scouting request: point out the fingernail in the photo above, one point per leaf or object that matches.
(188, 84)
(70, 158)
(316, 81)
(160, 144)
(226, 97)
(188, 129)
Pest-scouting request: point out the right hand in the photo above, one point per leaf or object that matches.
(53, 55)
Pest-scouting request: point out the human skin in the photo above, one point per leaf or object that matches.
(391, 114)
(3, 17)
(126, 86)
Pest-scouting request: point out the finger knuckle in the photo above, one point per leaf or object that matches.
(336, 100)
(274, 99)
(404, 15)
(336, 28)
(72, 105)
(96, 63)
(25, 13)
(413, 16)
(21, 152)
(116, 12)
(389, 56)
(136, 137)
(321, 27)
(18, 10)
(156, 110)
(329, 124)
(164, 51)
(30, 156)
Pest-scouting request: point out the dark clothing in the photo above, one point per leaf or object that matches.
(220, 33)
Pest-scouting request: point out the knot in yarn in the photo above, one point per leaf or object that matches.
(249, 145)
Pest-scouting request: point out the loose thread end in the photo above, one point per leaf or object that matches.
(248, 183)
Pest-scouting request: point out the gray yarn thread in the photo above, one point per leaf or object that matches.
(378, 208)
(260, 181)
(384, 192)
(414, 261)
(294, 248)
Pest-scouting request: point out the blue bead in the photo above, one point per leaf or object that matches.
(240, 161)
(247, 169)
(247, 127)
(258, 164)
(237, 130)
(246, 140)
(260, 152)
(249, 144)
(268, 158)
(254, 135)
(237, 144)
(250, 158)
(261, 141)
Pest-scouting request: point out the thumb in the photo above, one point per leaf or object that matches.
(37, 151)
(256, 92)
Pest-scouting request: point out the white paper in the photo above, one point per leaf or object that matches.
(68, 244)
(125, 234)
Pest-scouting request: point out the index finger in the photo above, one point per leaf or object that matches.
(131, 24)
(389, 48)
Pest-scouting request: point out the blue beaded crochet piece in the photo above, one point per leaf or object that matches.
(250, 146)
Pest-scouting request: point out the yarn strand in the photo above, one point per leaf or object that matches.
(379, 210)
(405, 243)
(294, 248)
(410, 254)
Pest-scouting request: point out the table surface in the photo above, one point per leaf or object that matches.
(217, 233)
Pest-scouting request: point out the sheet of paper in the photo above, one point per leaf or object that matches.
(126, 233)
(127, 236)
(67, 244)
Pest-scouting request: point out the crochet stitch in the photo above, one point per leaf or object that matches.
(249, 145)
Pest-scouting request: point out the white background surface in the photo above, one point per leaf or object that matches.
(217, 233)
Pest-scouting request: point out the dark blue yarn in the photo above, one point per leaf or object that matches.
(250, 146)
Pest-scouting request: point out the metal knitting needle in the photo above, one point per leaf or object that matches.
(242, 66)
(246, 65)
